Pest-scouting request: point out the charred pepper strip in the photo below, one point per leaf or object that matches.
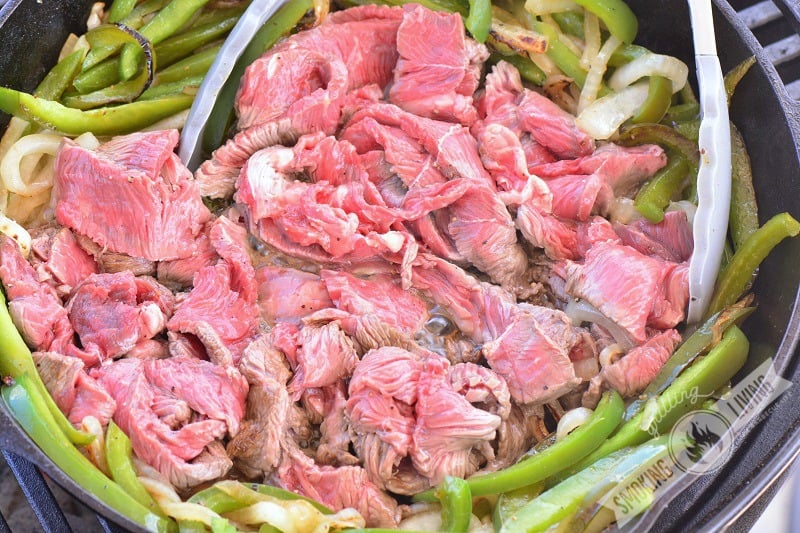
(655, 195)
(107, 121)
(527, 68)
(456, 500)
(35, 419)
(276, 27)
(589, 485)
(479, 20)
(735, 75)
(120, 463)
(744, 209)
(686, 392)
(682, 112)
(554, 459)
(616, 15)
(16, 361)
(738, 274)
(659, 98)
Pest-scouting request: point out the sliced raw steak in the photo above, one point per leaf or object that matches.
(647, 291)
(185, 456)
(289, 295)
(439, 67)
(131, 195)
(75, 392)
(115, 312)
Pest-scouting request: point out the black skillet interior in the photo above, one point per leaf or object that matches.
(30, 37)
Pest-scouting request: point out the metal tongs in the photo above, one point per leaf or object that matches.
(714, 176)
(257, 13)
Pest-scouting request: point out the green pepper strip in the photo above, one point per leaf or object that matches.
(120, 9)
(508, 503)
(126, 91)
(120, 463)
(191, 526)
(35, 419)
(104, 121)
(570, 22)
(456, 499)
(188, 86)
(616, 15)
(180, 46)
(655, 106)
(148, 7)
(744, 210)
(656, 194)
(701, 379)
(213, 16)
(479, 20)
(527, 68)
(277, 26)
(563, 57)
(16, 361)
(739, 273)
(682, 113)
(101, 75)
(170, 19)
(625, 54)
(60, 77)
(194, 65)
(736, 74)
(554, 459)
(585, 487)
(697, 344)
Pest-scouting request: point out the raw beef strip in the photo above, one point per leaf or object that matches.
(439, 67)
(75, 392)
(132, 195)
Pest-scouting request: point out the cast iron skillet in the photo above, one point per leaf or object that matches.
(31, 34)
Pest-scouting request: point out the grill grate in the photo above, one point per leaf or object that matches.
(776, 25)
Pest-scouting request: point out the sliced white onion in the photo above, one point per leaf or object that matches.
(609, 354)
(10, 166)
(545, 7)
(87, 140)
(591, 30)
(580, 311)
(16, 232)
(597, 69)
(175, 122)
(572, 419)
(623, 211)
(603, 118)
(650, 64)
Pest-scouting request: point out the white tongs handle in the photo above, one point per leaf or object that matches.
(714, 177)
